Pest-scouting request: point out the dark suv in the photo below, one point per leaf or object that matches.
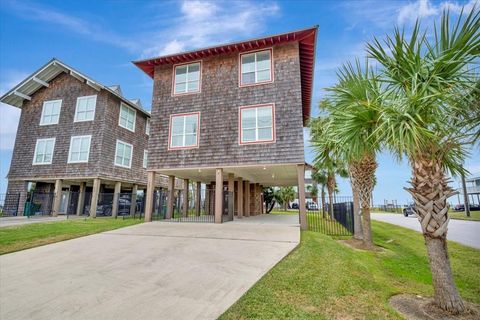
(409, 210)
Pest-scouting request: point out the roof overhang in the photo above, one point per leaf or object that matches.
(305, 37)
(42, 77)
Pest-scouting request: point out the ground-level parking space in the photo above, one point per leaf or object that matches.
(461, 231)
(158, 270)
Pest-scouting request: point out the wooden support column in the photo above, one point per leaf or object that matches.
(149, 196)
(246, 210)
(133, 201)
(208, 192)
(198, 198)
(81, 198)
(240, 188)
(218, 195)
(94, 202)
(57, 197)
(301, 196)
(258, 206)
(231, 194)
(171, 197)
(185, 197)
(116, 195)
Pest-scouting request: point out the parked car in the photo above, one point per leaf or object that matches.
(294, 205)
(311, 205)
(461, 207)
(409, 210)
(105, 209)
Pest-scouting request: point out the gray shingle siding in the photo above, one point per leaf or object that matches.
(219, 103)
(104, 130)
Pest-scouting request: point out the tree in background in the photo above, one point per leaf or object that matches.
(425, 77)
(269, 199)
(320, 177)
(285, 195)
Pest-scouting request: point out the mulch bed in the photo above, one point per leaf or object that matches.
(414, 307)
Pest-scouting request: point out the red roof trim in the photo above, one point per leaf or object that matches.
(306, 39)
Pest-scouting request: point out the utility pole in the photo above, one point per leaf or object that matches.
(465, 196)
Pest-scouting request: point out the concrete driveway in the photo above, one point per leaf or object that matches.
(461, 231)
(158, 270)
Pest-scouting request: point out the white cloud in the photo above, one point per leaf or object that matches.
(426, 9)
(9, 115)
(205, 23)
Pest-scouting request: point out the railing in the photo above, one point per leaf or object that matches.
(333, 220)
(9, 204)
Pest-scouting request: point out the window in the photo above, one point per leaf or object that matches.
(187, 78)
(147, 127)
(257, 124)
(256, 67)
(123, 154)
(145, 158)
(79, 149)
(85, 109)
(184, 130)
(127, 117)
(50, 112)
(44, 151)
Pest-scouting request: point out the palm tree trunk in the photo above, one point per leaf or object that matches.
(357, 221)
(466, 203)
(330, 189)
(430, 192)
(362, 173)
(323, 201)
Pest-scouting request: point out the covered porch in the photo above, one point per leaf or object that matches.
(224, 191)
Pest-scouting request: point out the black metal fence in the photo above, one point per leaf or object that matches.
(9, 204)
(331, 218)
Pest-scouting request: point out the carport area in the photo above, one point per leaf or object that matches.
(153, 270)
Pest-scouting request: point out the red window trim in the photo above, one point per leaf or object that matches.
(199, 80)
(169, 147)
(240, 68)
(274, 136)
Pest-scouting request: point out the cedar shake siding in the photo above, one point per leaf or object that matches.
(104, 131)
(219, 102)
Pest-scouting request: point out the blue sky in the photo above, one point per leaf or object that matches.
(100, 40)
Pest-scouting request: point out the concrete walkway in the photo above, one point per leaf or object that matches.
(17, 221)
(461, 231)
(158, 270)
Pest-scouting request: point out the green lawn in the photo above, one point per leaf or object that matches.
(282, 212)
(474, 215)
(37, 234)
(324, 279)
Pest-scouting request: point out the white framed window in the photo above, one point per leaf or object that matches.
(123, 154)
(184, 130)
(147, 127)
(85, 109)
(145, 158)
(50, 112)
(44, 151)
(127, 117)
(257, 124)
(79, 149)
(256, 67)
(187, 78)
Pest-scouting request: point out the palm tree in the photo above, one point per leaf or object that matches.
(286, 195)
(313, 190)
(425, 77)
(320, 177)
(326, 149)
(355, 112)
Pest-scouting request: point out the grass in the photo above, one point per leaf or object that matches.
(458, 215)
(26, 236)
(283, 212)
(324, 279)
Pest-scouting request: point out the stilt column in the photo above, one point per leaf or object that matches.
(247, 198)
(240, 188)
(81, 198)
(94, 202)
(218, 195)
(171, 197)
(133, 201)
(185, 197)
(57, 197)
(301, 196)
(116, 195)
(149, 196)
(198, 198)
